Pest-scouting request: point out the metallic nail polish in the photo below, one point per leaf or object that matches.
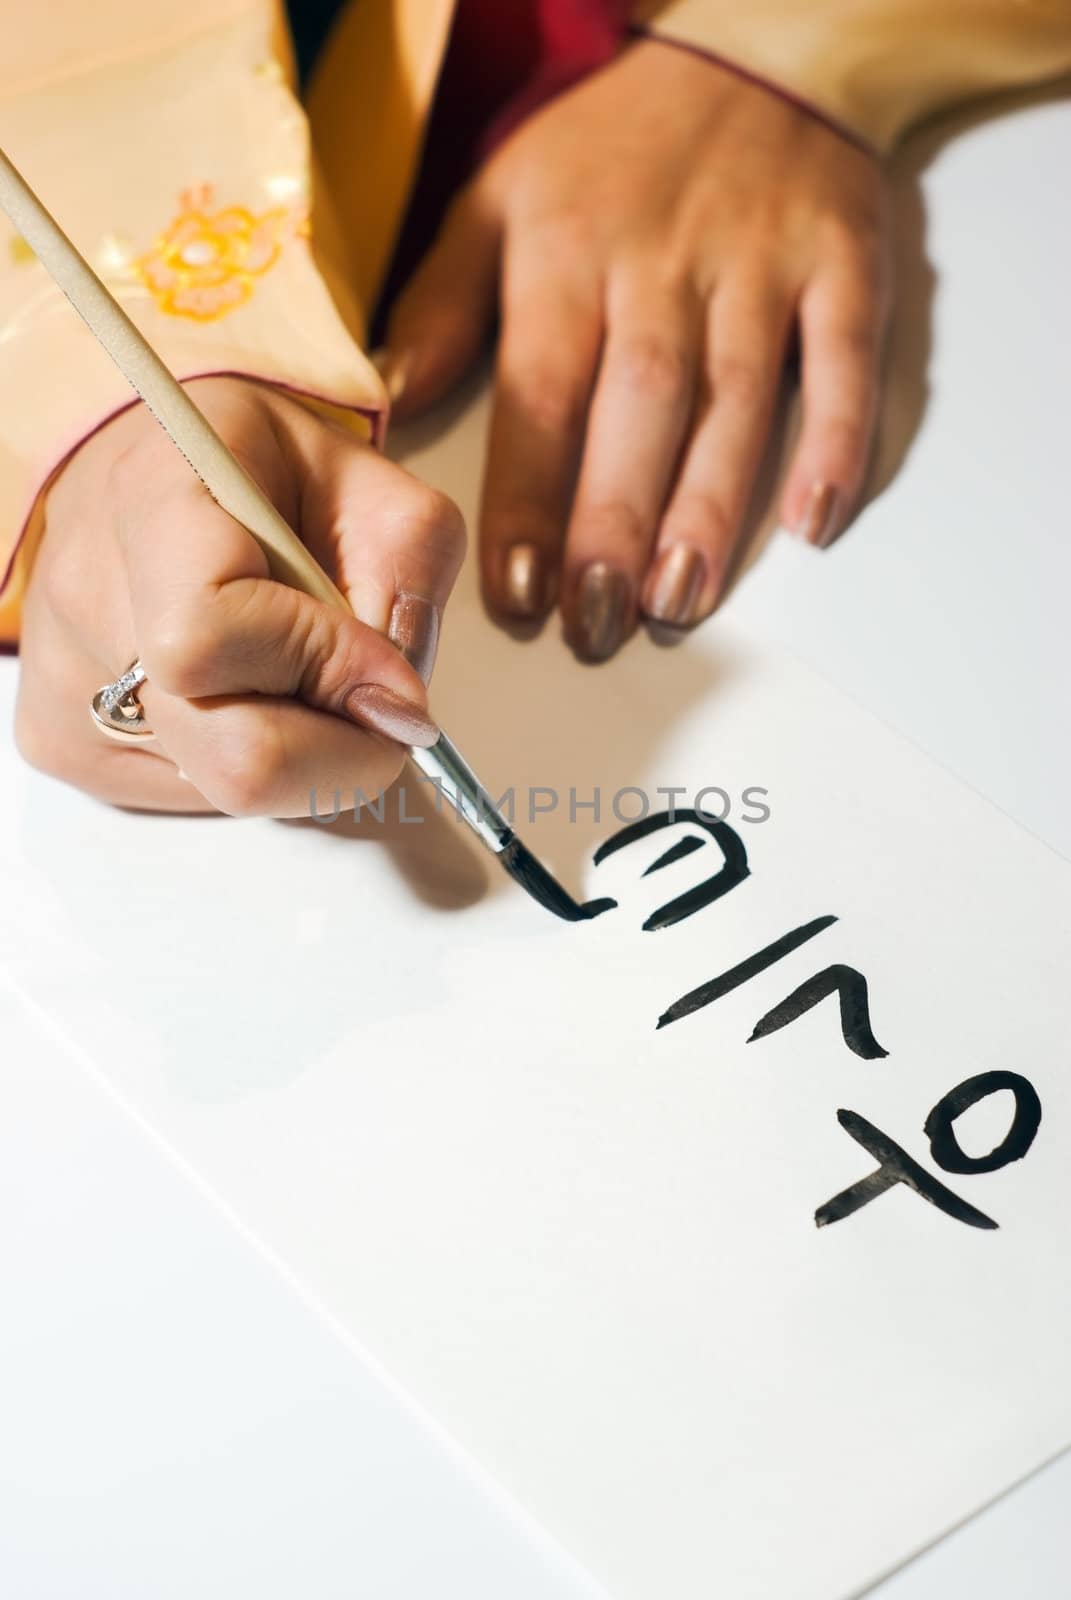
(375, 706)
(525, 584)
(821, 521)
(601, 610)
(414, 628)
(676, 584)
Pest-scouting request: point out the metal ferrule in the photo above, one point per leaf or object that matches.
(447, 768)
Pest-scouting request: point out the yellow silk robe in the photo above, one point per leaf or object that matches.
(168, 141)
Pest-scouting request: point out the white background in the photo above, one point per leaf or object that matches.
(176, 1421)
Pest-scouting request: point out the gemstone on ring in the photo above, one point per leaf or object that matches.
(116, 709)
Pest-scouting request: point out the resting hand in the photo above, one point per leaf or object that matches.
(653, 239)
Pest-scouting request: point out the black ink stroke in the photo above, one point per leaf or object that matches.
(734, 870)
(939, 1129)
(851, 987)
(895, 1166)
(714, 988)
(527, 870)
(676, 852)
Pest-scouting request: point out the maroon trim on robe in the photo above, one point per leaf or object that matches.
(639, 30)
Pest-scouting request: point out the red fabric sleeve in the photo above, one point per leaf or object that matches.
(502, 63)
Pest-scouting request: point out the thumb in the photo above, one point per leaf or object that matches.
(440, 320)
(209, 622)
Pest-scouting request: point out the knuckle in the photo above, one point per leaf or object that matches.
(429, 514)
(548, 396)
(852, 343)
(870, 244)
(858, 200)
(856, 340)
(249, 769)
(180, 653)
(564, 235)
(702, 518)
(60, 576)
(653, 364)
(740, 382)
(614, 524)
(431, 532)
(859, 238)
(759, 224)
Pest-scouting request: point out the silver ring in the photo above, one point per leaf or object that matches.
(116, 709)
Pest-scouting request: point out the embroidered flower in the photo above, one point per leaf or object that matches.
(20, 252)
(206, 263)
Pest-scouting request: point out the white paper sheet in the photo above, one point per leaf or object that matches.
(587, 1246)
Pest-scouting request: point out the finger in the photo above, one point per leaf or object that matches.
(248, 756)
(548, 353)
(393, 544)
(643, 401)
(747, 332)
(253, 756)
(441, 319)
(55, 734)
(208, 622)
(843, 315)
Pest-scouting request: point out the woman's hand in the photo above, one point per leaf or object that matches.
(653, 239)
(257, 694)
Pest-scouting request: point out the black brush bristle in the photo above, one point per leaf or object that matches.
(525, 869)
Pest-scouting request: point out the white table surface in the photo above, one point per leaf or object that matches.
(176, 1418)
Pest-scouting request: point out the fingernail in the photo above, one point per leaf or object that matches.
(676, 584)
(602, 601)
(393, 367)
(414, 628)
(820, 522)
(379, 708)
(525, 581)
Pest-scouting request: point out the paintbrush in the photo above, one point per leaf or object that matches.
(232, 487)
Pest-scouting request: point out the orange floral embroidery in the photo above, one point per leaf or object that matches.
(19, 251)
(206, 263)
